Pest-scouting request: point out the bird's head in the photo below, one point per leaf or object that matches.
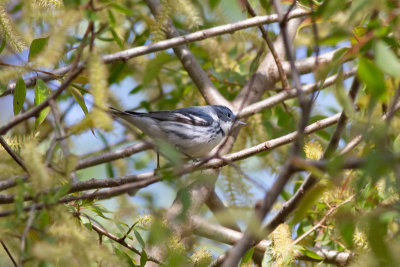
(227, 118)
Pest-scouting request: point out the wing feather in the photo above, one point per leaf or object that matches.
(190, 115)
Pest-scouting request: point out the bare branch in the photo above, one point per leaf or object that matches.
(288, 94)
(297, 164)
(138, 181)
(166, 44)
(221, 234)
(8, 253)
(113, 155)
(35, 110)
(282, 74)
(234, 254)
(28, 226)
(221, 212)
(189, 62)
(292, 203)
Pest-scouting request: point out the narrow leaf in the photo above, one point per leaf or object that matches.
(143, 258)
(247, 256)
(122, 9)
(372, 77)
(396, 144)
(386, 60)
(19, 95)
(41, 93)
(79, 98)
(139, 238)
(36, 47)
(3, 43)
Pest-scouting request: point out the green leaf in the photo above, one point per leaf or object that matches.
(213, 3)
(124, 257)
(267, 260)
(37, 46)
(342, 97)
(19, 95)
(386, 60)
(247, 257)
(122, 9)
(136, 89)
(372, 77)
(99, 211)
(396, 144)
(41, 93)
(62, 191)
(111, 18)
(328, 8)
(79, 98)
(143, 258)
(116, 38)
(309, 253)
(154, 66)
(3, 43)
(118, 72)
(139, 238)
(347, 228)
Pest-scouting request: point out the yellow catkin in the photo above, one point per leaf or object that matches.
(49, 3)
(201, 257)
(313, 150)
(146, 221)
(38, 174)
(158, 26)
(71, 244)
(98, 74)
(54, 49)
(217, 53)
(282, 247)
(192, 16)
(7, 29)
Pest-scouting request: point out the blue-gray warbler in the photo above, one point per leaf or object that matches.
(193, 131)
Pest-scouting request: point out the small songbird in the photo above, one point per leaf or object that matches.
(193, 131)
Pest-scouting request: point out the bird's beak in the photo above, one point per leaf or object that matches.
(240, 122)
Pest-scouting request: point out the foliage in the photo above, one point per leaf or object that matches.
(51, 215)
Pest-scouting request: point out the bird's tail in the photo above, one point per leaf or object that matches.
(118, 113)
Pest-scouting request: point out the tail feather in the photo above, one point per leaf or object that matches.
(117, 112)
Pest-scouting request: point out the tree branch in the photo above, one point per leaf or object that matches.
(35, 110)
(12, 153)
(144, 179)
(8, 253)
(166, 44)
(221, 234)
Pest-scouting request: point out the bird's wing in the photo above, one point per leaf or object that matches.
(189, 115)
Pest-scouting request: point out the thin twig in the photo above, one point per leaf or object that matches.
(12, 153)
(290, 205)
(282, 74)
(60, 133)
(8, 253)
(28, 226)
(102, 231)
(322, 221)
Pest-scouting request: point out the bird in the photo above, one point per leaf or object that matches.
(193, 131)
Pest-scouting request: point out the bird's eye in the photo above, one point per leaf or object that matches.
(229, 115)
